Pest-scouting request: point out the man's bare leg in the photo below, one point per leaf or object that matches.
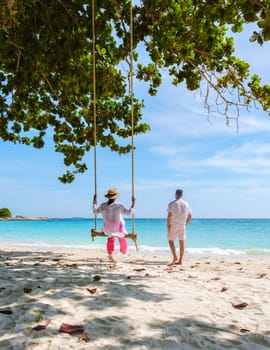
(182, 250)
(172, 247)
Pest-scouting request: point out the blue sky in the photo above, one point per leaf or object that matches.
(224, 173)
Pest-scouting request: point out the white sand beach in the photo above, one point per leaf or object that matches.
(139, 303)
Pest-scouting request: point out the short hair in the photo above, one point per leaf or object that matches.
(179, 192)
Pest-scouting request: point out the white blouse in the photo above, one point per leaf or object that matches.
(113, 222)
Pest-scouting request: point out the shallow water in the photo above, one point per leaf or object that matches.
(204, 236)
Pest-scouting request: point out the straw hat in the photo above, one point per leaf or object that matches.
(112, 193)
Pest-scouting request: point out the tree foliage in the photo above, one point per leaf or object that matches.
(5, 213)
(46, 66)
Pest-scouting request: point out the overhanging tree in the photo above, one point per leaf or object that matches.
(46, 66)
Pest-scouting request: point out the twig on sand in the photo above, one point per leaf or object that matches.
(239, 306)
(40, 327)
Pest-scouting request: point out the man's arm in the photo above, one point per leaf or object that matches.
(169, 221)
(189, 217)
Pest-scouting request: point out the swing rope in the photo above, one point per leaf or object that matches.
(94, 102)
(131, 94)
(94, 231)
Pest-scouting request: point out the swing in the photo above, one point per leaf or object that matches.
(94, 232)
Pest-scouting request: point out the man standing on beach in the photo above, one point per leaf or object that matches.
(179, 215)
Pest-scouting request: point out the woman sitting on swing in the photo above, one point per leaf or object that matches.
(113, 222)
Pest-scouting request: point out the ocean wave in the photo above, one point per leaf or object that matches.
(204, 252)
(256, 252)
(146, 249)
(215, 251)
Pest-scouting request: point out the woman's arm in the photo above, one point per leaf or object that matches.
(128, 212)
(96, 210)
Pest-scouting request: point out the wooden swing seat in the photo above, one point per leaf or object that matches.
(132, 236)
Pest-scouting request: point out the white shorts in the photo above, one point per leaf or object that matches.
(177, 231)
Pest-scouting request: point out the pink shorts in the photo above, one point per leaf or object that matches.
(177, 231)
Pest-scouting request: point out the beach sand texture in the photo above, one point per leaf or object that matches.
(139, 303)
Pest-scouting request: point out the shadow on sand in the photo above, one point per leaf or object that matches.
(37, 286)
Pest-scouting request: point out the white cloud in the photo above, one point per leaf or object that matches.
(221, 185)
(150, 185)
(252, 124)
(6, 181)
(252, 158)
(170, 150)
(194, 122)
(45, 191)
(249, 158)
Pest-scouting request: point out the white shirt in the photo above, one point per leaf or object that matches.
(179, 210)
(113, 222)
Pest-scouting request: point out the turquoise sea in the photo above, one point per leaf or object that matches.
(207, 237)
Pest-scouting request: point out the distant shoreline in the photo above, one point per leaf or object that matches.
(45, 218)
(28, 218)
